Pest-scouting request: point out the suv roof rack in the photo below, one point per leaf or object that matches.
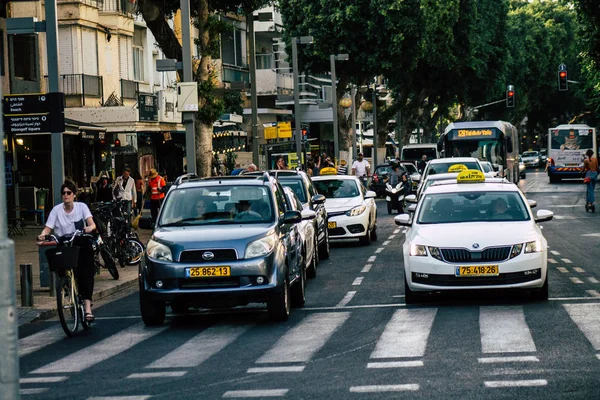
(185, 178)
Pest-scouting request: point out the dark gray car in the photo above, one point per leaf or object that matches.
(223, 242)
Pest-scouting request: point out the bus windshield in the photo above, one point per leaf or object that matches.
(571, 139)
(483, 149)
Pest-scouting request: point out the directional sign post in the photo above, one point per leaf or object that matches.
(34, 113)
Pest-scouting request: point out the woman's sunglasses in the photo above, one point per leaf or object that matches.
(67, 193)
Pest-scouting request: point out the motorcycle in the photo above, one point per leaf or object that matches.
(394, 197)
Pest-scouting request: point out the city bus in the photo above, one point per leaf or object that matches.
(567, 145)
(493, 141)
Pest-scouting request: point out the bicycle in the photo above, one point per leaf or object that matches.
(63, 261)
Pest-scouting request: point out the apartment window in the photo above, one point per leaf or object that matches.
(138, 54)
(1, 52)
(24, 56)
(233, 47)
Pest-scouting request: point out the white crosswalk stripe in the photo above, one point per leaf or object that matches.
(201, 347)
(101, 351)
(41, 339)
(587, 318)
(504, 330)
(305, 339)
(406, 334)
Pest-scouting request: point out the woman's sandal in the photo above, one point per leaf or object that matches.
(89, 317)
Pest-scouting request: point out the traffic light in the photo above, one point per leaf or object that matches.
(510, 96)
(304, 132)
(563, 84)
(117, 143)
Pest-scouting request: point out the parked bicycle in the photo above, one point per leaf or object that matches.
(63, 261)
(103, 258)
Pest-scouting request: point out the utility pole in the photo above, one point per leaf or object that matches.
(334, 104)
(297, 128)
(253, 88)
(374, 125)
(188, 117)
(353, 94)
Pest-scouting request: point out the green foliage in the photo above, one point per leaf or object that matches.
(232, 103)
(213, 106)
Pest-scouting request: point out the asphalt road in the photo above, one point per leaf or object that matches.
(355, 338)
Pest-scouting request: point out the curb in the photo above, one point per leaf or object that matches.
(50, 313)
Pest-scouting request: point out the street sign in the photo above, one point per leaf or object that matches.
(148, 107)
(562, 67)
(284, 130)
(34, 113)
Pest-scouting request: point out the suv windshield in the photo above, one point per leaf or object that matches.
(296, 185)
(222, 204)
(444, 208)
(337, 189)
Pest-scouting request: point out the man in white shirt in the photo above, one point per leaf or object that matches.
(361, 169)
(125, 189)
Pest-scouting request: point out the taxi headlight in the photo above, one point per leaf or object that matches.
(418, 250)
(435, 253)
(260, 247)
(516, 250)
(356, 211)
(158, 251)
(533, 247)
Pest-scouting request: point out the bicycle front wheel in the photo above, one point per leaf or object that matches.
(66, 302)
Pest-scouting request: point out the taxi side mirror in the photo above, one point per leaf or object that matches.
(412, 208)
(544, 215)
(318, 199)
(402, 220)
(411, 198)
(532, 203)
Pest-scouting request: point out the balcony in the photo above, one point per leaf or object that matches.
(129, 89)
(125, 7)
(235, 74)
(265, 61)
(81, 85)
(99, 4)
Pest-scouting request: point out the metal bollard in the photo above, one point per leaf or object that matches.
(26, 285)
(52, 283)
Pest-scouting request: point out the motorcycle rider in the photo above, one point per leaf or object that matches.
(396, 176)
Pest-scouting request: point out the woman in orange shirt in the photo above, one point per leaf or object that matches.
(590, 165)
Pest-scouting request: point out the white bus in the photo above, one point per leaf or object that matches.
(493, 141)
(567, 145)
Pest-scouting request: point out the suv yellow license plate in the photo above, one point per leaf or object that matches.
(477, 270)
(331, 224)
(207, 272)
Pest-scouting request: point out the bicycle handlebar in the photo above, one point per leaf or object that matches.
(68, 238)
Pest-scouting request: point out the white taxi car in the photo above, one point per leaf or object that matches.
(474, 233)
(351, 209)
(449, 165)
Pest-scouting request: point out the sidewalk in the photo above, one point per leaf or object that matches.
(44, 305)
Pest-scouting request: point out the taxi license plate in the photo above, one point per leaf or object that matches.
(207, 272)
(477, 270)
(331, 224)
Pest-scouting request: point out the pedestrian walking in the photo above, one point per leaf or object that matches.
(156, 188)
(125, 190)
(103, 189)
(590, 166)
(422, 164)
(361, 169)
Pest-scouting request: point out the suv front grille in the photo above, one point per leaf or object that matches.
(220, 255)
(464, 255)
(208, 283)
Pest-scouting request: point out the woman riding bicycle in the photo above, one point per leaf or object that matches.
(590, 165)
(65, 219)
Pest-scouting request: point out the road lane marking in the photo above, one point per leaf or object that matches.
(552, 261)
(372, 259)
(567, 261)
(579, 269)
(576, 280)
(556, 253)
(598, 356)
(46, 337)
(592, 279)
(146, 397)
(385, 243)
(201, 347)
(397, 231)
(502, 371)
(154, 375)
(563, 270)
(392, 237)
(346, 299)
(396, 364)
(43, 379)
(410, 387)
(366, 268)
(587, 318)
(260, 370)
(357, 281)
(504, 330)
(32, 391)
(301, 342)
(594, 293)
(379, 250)
(240, 394)
(522, 383)
(101, 351)
(491, 360)
(406, 334)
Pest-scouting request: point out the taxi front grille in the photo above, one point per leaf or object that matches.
(465, 256)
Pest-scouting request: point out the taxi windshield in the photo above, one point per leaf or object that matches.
(337, 189)
(212, 205)
(450, 208)
(442, 168)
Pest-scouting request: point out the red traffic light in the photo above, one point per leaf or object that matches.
(562, 74)
(511, 93)
(304, 131)
(117, 143)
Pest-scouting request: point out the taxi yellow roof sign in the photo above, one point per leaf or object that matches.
(457, 168)
(470, 176)
(328, 171)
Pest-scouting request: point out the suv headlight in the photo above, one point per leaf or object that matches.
(158, 251)
(356, 211)
(418, 250)
(533, 247)
(260, 247)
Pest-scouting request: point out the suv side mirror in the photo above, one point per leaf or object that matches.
(292, 217)
(318, 199)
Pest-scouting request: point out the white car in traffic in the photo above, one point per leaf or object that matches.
(477, 234)
(351, 209)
